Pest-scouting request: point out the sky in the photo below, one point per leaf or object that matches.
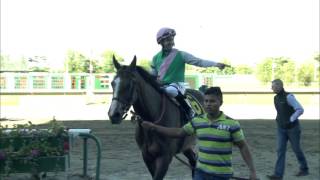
(242, 31)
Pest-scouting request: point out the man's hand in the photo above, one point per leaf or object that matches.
(221, 66)
(147, 125)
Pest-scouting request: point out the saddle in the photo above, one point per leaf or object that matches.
(190, 106)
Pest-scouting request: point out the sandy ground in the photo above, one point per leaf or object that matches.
(39, 108)
(121, 158)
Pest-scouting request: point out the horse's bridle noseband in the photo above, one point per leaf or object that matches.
(126, 106)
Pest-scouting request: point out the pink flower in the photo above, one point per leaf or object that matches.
(66, 146)
(35, 152)
(2, 155)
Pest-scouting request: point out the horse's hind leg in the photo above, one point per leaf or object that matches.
(191, 155)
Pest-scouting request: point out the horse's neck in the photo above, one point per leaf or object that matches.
(149, 102)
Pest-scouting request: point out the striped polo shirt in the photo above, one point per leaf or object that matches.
(214, 143)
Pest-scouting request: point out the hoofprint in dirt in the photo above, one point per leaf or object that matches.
(121, 157)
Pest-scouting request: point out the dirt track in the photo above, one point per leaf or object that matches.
(121, 159)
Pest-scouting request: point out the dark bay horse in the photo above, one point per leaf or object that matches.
(133, 86)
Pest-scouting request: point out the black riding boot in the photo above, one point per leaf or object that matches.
(185, 106)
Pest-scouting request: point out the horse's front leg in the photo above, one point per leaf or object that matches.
(149, 161)
(191, 155)
(161, 165)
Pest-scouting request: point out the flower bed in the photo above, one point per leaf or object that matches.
(29, 149)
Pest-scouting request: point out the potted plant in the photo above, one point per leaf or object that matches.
(28, 148)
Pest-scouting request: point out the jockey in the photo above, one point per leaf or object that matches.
(168, 66)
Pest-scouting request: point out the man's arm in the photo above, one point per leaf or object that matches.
(170, 132)
(192, 60)
(246, 156)
(292, 101)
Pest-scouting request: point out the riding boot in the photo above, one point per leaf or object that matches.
(185, 106)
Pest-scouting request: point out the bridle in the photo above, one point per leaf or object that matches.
(126, 106)
(128, 103)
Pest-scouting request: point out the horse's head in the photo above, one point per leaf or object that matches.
(124, 91)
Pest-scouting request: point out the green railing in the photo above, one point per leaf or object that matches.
(86, 134)
(86, 83)
(28, 164)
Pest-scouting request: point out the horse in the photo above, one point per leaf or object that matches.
(134, 86)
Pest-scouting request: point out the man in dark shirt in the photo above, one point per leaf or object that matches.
(288, 111)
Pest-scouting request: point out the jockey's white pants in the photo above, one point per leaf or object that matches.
(173, 89)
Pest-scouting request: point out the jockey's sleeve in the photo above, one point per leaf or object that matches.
(192, 60)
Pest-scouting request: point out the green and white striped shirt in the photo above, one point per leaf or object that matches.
(214, 143)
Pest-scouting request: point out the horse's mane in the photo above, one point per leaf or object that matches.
(149, 78)
(145, 75)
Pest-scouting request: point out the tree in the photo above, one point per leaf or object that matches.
(9, 64)
(317, 57)
(38, 64)
(227, 70)
(286, 70)
(5, 63)
(107, 64)
(264, 70)
(317, 67)
(243, 69)
(276, 68)
(215, 70)
(145, 63)
(76, 62)
(306, 73)
(85, 66)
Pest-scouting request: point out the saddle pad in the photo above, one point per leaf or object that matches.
(195, 104)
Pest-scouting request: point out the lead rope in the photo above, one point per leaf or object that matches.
(184, 162)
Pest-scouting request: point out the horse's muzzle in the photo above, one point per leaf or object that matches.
(115, 112)
(115, 118)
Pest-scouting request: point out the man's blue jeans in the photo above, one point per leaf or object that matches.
(200, 175)
(293, 135)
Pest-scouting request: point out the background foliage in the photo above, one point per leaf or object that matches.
(268, 69)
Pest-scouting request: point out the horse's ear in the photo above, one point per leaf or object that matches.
(116, 63)
(133, 62)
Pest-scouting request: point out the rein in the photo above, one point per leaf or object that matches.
(163, 108)
(136, 117)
